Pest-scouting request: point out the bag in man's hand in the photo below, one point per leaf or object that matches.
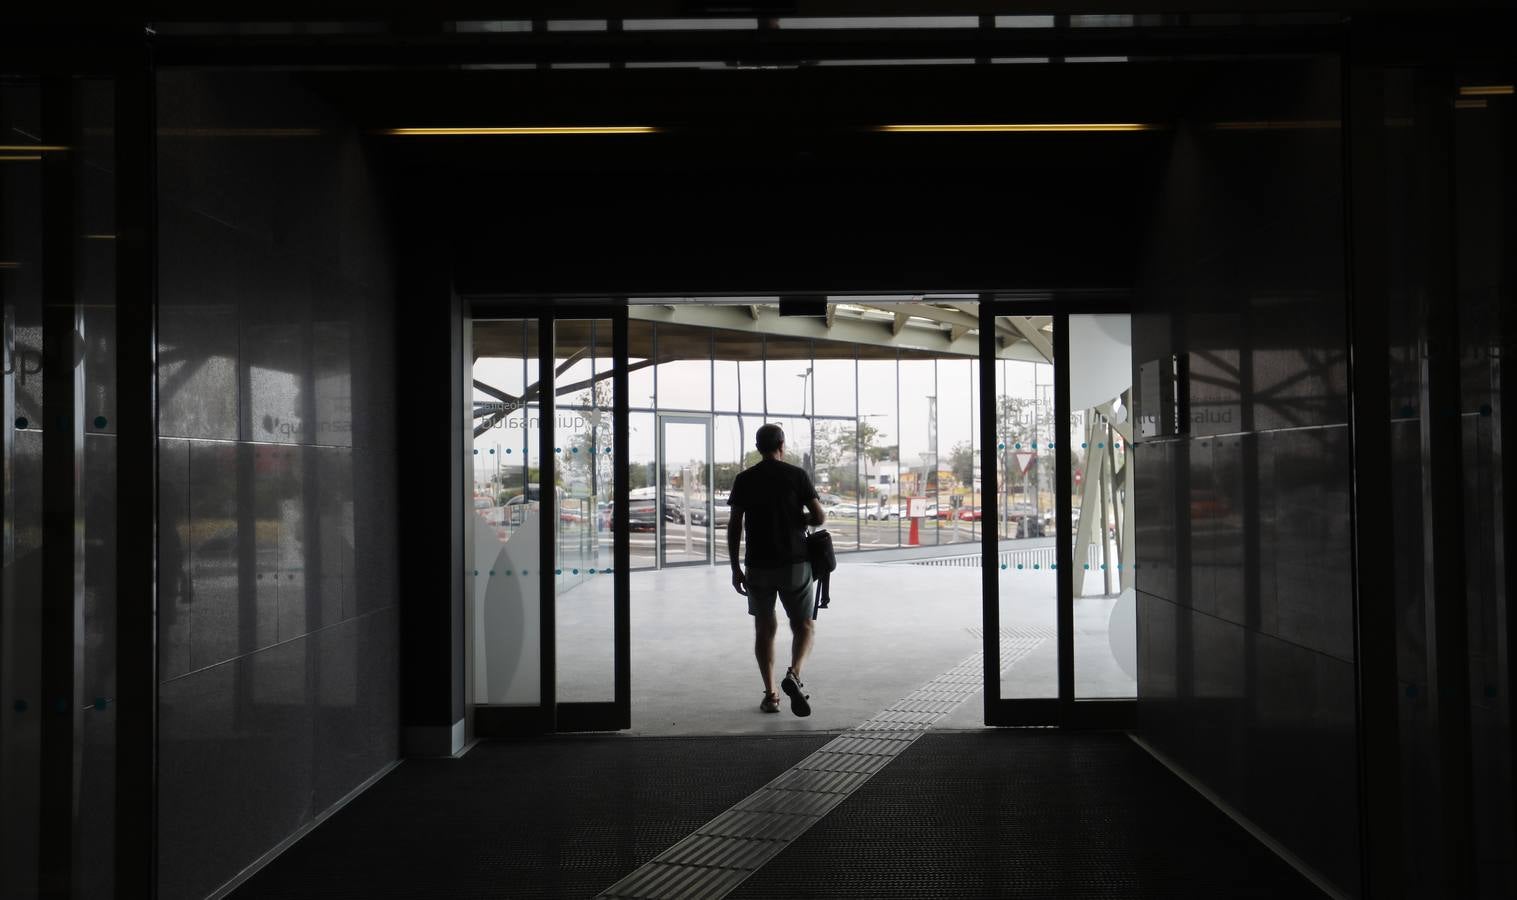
(823, 560)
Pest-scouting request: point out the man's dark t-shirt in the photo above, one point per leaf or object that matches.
(772, 496)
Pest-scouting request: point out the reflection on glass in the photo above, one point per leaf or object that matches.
(502, 520)
(685, 499)
(1026, 441)
(1100, 389)
(585, 474)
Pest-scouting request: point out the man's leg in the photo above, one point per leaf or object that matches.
(802, 632)
(764, 627)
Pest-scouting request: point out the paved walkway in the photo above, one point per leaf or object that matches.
(890, 629)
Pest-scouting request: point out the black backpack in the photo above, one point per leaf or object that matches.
(823, 560)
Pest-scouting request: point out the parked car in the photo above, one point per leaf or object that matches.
(723, 515)
(642, 515)
(875, 511)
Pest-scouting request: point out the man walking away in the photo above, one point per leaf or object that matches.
(773, 502)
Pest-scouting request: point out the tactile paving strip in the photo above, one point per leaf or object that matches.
(714, 860)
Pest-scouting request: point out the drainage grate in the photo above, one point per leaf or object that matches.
(715, 859)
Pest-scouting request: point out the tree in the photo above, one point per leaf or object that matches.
(586, 457)
(727, 472)
(961, 463)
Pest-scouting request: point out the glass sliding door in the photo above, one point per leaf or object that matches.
(503, 530)
(1025, 563)
(585, 475)
(1056, 527)
(546, 550)
(1105, 601)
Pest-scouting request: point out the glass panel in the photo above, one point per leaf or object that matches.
(739, 372)
(787, 376)
(96, 267)
(1100, 394)
(835, 441)
(685, 496)
(585, 474)
(879, 450)
(837, 481)
(958, 459)
(833, 371)
(919, 447)
(1025, 476)
(640, 366)
(503, 525)
(20, 613)
(734, 452)
(797, 441)
(642, 481)
(684, 367)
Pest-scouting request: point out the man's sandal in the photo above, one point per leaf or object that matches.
(771, 703)
(799, 699)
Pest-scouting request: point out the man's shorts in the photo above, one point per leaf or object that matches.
(791, 584)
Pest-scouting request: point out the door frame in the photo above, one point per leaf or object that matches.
(709, 421)
(1064, 710)
(550, 714)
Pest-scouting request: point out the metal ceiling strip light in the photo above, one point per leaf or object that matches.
(513, 131)
(1020, 128)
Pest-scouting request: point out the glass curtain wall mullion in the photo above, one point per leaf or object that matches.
(990, 582)
(547, 514)
(621, 548)
(1063, 499)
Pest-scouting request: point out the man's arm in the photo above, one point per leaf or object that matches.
(734, 543)
(816, 515)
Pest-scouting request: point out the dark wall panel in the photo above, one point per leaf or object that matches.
(1246, 656)
(280, 620)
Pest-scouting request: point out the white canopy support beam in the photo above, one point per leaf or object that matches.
(1031, 335)
(1090, 510)
(846, 328)
(899, 325)
(1126, 554)
(972, 309)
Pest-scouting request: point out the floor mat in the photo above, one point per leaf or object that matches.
(1023, 813)
(558, 816)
